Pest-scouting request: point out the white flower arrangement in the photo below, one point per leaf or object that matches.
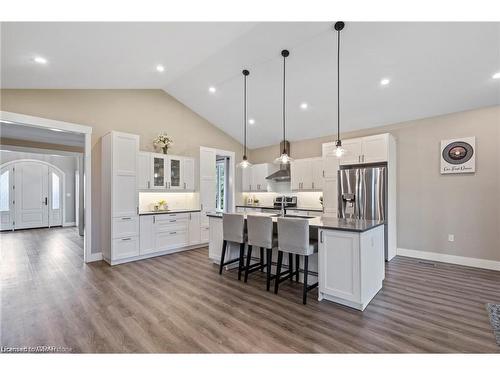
(164, 141)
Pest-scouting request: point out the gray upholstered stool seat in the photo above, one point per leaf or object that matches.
(293, 238)
(260, 234)
(233, 229)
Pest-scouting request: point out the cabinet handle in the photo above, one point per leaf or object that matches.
(321, 236)
(149, 184)
(137, 210)
(173, 232)
(184, 186)
(126, 239)
(126, 218)
(173, 221)
(313, 185)
(323, 174)
(154, 219)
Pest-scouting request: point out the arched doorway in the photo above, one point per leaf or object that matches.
(31, 195)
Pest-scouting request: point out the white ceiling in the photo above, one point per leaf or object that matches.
(35, 134)
(434, 68)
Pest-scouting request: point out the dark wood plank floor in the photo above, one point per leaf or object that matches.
(179, 303)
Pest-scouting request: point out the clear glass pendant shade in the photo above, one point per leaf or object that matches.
(244, 163)
(283, 159)
(339, 151)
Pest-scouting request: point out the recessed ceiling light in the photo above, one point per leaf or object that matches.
(384, 81)
(40, 60)
(251, 121)
(212, 89)
(160, 68)
(304, 105)
(496, 75)
(56, 130)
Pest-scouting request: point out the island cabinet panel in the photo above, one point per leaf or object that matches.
(339, 264)
(215, 243)
(351, 266)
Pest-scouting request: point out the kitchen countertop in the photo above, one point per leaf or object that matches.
(315, 209)
(160, 212)
(326, 222)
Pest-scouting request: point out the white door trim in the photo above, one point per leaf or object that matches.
(26, 120)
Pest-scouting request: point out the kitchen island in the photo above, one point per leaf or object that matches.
(350, 261)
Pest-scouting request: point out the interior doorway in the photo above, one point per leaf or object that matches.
(31, 194)
(33, 190)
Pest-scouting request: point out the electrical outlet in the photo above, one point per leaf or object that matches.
(451, 237)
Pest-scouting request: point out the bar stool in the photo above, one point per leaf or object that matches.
(293, 238)
(233, 230)
(260, 234)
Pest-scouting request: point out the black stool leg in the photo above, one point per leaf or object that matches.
(241, 262)
(224, 245)
(262, 259)
(297, 262)
(278, 271)
(306, 271)
(290, 265)
(269, 264)
(249, 257)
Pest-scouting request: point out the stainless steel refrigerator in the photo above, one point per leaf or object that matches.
(362, 194)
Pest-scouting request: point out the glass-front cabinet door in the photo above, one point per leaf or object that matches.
(175, 181)
(159, 168)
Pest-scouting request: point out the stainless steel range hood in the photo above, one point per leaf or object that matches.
(283, 174)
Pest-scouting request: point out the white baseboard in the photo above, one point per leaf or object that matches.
(70, 224)
(94, 257)
(453, 259)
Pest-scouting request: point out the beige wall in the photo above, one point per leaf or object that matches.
(143, 112)
(431, 205)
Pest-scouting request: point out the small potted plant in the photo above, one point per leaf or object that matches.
(162, 205)
(163, 141)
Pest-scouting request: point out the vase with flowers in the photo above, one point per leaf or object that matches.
(163, 141)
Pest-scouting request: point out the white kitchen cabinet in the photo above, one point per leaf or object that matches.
(188, 173)
(253, 178)
(158, 168)
(207, 182)
(353, 151)
(119, 198)
(174, 173)
(351, 266)
(372, 149)
(306, 174)
(146, 237)
(246, 179)
(331, 167)
(375, 148)
(165, 172)
(164, 233)
(194, 228)
(144, 171)
(259, 174)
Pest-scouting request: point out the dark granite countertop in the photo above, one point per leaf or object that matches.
(326, 222)
(315, 209)
(179, 211)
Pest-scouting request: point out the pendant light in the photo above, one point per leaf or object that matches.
(339, 150)
(245, 163)
(284, 158)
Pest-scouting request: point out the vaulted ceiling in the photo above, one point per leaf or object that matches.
(433, 69)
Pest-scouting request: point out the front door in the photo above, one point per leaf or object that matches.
(31, 195)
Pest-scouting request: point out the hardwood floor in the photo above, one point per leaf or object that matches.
(178, 303)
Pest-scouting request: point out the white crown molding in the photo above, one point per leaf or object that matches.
(453, 259)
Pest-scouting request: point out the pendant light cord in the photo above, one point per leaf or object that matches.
(284, 99)
(245, 116)
(338, 85)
